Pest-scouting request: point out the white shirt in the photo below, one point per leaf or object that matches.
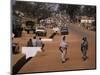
(63, 44)
(34, 42)
(39, 43)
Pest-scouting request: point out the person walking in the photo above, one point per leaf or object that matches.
(63, 49)
(40, 44)
(29, 43)
(15, 48)
(34, 41)
(84, 48)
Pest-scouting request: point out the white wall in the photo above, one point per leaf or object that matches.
(5, 37)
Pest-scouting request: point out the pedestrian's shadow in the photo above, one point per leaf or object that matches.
(21, 62)
(52, 36)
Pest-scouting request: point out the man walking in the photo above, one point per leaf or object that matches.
(63, 49)
(84, 48)
(40, 44)
(34, 41)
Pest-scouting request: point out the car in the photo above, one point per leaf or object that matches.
(64, 31)
(41, 31)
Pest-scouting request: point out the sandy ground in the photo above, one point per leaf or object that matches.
(50, 60)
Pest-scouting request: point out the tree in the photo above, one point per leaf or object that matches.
(71, 10)
(89, 11)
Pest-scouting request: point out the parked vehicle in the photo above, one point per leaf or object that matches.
(41, 31)
(64, 31)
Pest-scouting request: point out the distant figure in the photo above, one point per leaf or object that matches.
(40, 44)
(84, 48)
(29, 43)
(15, 48)
(63, 49)
(13, 35)
(34, 41)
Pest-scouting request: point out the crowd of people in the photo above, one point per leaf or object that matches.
(36, 42)
(63, 47)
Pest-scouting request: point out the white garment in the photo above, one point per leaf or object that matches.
(30, 51)
(56, 29)
(63, 44)
(39, 43)
(34, 42)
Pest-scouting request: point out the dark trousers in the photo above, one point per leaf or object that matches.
(84, 51)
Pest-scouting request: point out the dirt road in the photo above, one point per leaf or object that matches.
(50, 60)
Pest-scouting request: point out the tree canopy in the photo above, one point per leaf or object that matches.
(44, 10)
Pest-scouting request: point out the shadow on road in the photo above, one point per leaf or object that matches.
(52, 35)
(22, 61)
